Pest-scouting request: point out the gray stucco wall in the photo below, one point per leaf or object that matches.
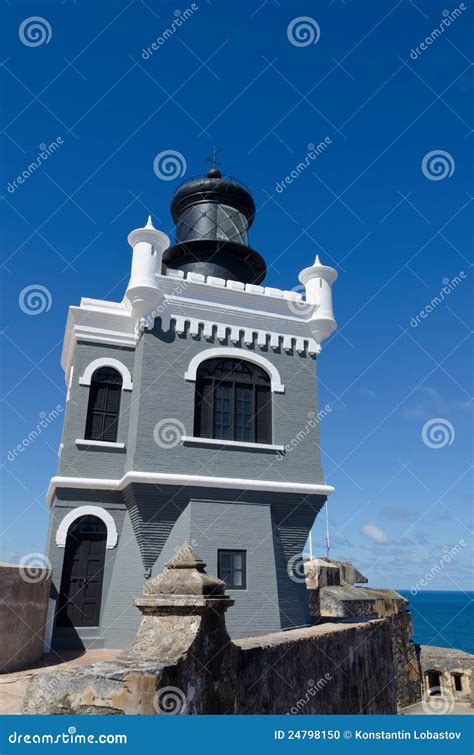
(153, 522)
(165, 394)
(161, 393)
(93, 461)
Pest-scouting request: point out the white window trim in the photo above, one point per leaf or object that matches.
(100, 443)
(86, 377)
(227, 352)
(234, 443)
(98, 511)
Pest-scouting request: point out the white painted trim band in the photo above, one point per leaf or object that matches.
(164, 478)
(100, 443)
(227, 352)
(235, 443)
(98, 511)
(86, 377)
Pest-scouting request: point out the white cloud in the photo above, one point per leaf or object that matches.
(374, 533)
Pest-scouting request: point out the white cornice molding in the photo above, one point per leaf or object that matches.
(226, 352)
(238, 310)
(185, 480)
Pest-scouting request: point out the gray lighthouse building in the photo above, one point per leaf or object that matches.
(191, 416)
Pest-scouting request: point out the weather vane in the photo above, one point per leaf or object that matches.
(213, 158)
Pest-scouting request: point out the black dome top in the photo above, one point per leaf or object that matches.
(214, 187)
(212, 214)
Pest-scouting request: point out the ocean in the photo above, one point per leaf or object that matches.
(444, 619)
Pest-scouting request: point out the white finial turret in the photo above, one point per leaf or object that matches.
(143, 291)
(318, 280)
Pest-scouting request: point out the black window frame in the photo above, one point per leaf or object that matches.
(103, 408)
(221, 570)
(234, 376)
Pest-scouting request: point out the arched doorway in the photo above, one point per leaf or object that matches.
(83, 573)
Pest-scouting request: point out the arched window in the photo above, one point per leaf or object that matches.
(104, 405)
(233, 401)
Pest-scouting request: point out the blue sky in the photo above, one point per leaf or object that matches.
(393, 219)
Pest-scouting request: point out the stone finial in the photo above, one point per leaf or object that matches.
(185, 574)
(181, 606)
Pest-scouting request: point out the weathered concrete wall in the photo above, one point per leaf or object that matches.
(333, 596)
(327, 669)
(406, 660)
(183, 661)
(24, 593)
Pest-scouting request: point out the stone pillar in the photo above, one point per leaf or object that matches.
(181, 661)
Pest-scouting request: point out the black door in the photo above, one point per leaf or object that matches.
(83, 572)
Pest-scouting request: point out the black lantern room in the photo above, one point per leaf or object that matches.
(213, 214)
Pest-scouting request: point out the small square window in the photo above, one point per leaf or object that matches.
(232, 569)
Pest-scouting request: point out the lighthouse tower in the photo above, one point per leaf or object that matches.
(191, 416)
